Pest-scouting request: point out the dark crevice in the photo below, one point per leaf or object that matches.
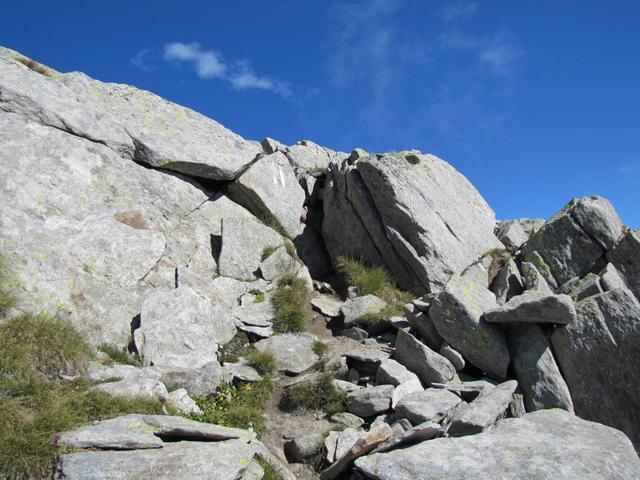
(216, 246)
(135, 324)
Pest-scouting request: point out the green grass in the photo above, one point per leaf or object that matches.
(289, 299)
(269, 472)
(7, 300)
(239, 346)
(320, 395)
(267, 252)
(263, 362)
(291, 248)
(374, 281)
(320, 348)
(36, 404)
(237, 406)
(119, 356)
(259, 296)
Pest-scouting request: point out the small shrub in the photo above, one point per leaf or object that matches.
(239, 346)
(320, 348)
(289, 300)
(35, 66)
(319, 395)
(267, 252)
(237, 406)
(264, 362)
(119, 356)
(259, 296)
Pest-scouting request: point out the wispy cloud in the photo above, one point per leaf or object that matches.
(211, 64)
(630, 170)
(458, 12)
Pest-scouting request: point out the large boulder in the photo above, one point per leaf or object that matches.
(356, 308)
(181, 329)
(428, 405)
(430, 366)
(574, 239)
(534, 307)
(367, 402)
(536, 370)
(293, 351)
(599, 357)
(625, 256)
(269, 188)
(544, 445)
(411, 212)
(457, 314)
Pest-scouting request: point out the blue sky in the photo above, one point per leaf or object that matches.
(535, 102)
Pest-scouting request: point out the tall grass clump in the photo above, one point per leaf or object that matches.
(289, 300)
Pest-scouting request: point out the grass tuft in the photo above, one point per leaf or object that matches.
(269, 472)
(267, 252)
(289, 300)
(239, 346)
(117, 355)
(237, 406)
(264, 362)
(269, 219)
(259, 296)
(7, 300)
(320, 395)
(320, 348)
(35, 66)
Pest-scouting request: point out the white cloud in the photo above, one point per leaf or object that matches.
(458, 12)
(144, 60)
(207, 63)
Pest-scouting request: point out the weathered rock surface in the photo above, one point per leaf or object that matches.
(355, 308)
(367, 402)
(508, 283)
(269, 188)
(547, 444)
(393, 373)
(534, 307)
(428, 405)
(327, 305)
(293, 351)
(419, 433)
(199, 381)
(186, 460)
(457, 315)
(181, 329)
(442, 227)
(512, 234)
(581, 288)
(451, 354)
(302, 447)
(599, 357)
(135, 386)
(430, 366)
(626, 258)
(121, 433)
(277, 264)
(536, 370)
(404, 389)
(425, 328)
(533, 279)
(474, 417)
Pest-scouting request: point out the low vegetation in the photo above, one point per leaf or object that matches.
(267, 252)
(289, 301)
(263, 362)
(7, 301)
(374, 281)
(239, 406)
(35, 66)
(320, 348)
(239, 346)
(319, 395)
(269, 472)
(119, 356)
(258, 295)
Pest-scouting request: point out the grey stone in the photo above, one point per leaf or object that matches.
(355, 333)
(337, 364)
(330, 444)
(417, 434)
(97, 372)
(262, 332)
(120, 433)
(277, 264)
(424, 326)
(393, 373)
(185, 460)
(508, 283)
(354, 308)
(610, 278)
(536, 370)
(625, 256)
(269, 188)
(533, 279)
(243, 243)
(327, 305)
(367, 402)
(303, 447)
(183, 428)
(599, 357)
(135, 387)
(424, 216)
(474, 417)
(347, 419)
(451, 354)
(405, 388)
(574, 239)
(198, 382)
(457, 315)
(468, 390)
(293, 351)
(511, 234)
(516, 406)
(255, 314)
(534, 307)
(581, 288)
(424, 362)
(180, 400)
(345, 386)
(428, 405)
(545, 445)
(307, 155)
(181, 328)
(347, 439)
(269, 146)
(242, 372)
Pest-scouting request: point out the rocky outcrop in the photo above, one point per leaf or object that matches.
(547, 444)
(442, 227)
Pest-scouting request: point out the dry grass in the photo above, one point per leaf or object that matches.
(35, 66)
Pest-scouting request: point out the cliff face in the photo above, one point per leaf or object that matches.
(142, 222)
